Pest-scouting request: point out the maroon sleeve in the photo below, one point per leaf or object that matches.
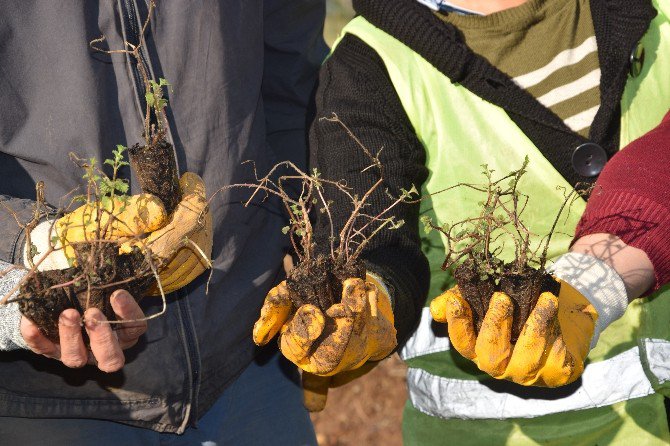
(632, 199)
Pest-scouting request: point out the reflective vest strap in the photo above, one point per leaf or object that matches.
(616, 379)
(657, 352)
(425, 340)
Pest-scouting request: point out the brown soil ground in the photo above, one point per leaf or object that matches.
(367, 411)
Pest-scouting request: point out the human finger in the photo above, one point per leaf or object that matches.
(104, 343)
(537, 335)
(450, 307)
(73, 352)
(493, 347)
(300, 333)
(36, 340)
(126, 308)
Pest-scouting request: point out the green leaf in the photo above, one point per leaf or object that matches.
(121, 186)
(285, 229)
(150, 98)
(33, 250)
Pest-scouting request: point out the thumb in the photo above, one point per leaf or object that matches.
(315, 391)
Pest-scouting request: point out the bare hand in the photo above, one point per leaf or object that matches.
(106, 345)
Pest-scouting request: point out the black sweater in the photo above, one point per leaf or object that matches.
(355, 85)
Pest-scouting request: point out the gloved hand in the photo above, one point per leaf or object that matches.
(315, 387)
(356, 330)
(184, 245)
(558, 334)
(138, 215)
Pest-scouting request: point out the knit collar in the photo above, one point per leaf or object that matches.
(517, 18)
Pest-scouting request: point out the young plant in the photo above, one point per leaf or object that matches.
(154, 161)
(96, 268)
(475, 244)
(107, 251)
(325, 260)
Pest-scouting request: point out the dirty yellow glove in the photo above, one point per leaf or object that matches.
(558, 334)
(118, 220)
(315, 387)
(356, 330)
(184, 245)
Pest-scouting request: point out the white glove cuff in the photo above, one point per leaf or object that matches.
(40, 238)
(598, 282)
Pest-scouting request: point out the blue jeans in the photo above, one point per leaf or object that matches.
(262, 407)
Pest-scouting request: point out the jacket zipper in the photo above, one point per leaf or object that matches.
(131, 26)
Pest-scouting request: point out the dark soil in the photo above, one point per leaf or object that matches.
(43, 304)
(524, 290)
(476, 291)
(319, 281)
(156, 169)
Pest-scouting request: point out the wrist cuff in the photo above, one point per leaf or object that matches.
(380, 283)
(598, 282)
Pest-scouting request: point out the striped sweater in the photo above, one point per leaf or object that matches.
(563, 75)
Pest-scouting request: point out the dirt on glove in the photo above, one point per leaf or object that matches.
(523, 288)
(318, 281)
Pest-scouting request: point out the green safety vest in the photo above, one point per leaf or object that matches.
(460, 132)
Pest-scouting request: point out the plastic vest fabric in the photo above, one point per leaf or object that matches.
(461, 133)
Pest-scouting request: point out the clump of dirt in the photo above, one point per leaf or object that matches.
(523, 288)
(318, 281)
(156, 169)
(476, 291)
(46, 294)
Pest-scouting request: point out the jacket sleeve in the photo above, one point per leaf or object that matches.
(10, 316)
(294, 51)
(354, 84)
(12, 212)
(631, 199)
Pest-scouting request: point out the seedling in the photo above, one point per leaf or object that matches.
(474, 246)
(97, 268)
(325, 260)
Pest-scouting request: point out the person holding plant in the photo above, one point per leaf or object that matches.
(437, 89)
(234, 96)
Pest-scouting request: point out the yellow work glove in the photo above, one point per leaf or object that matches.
(350, 333)
(132, 218)
(183, 246)
(315, 387)
(558, 334)
(335, 348)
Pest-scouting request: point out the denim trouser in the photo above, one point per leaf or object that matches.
(262, 407)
